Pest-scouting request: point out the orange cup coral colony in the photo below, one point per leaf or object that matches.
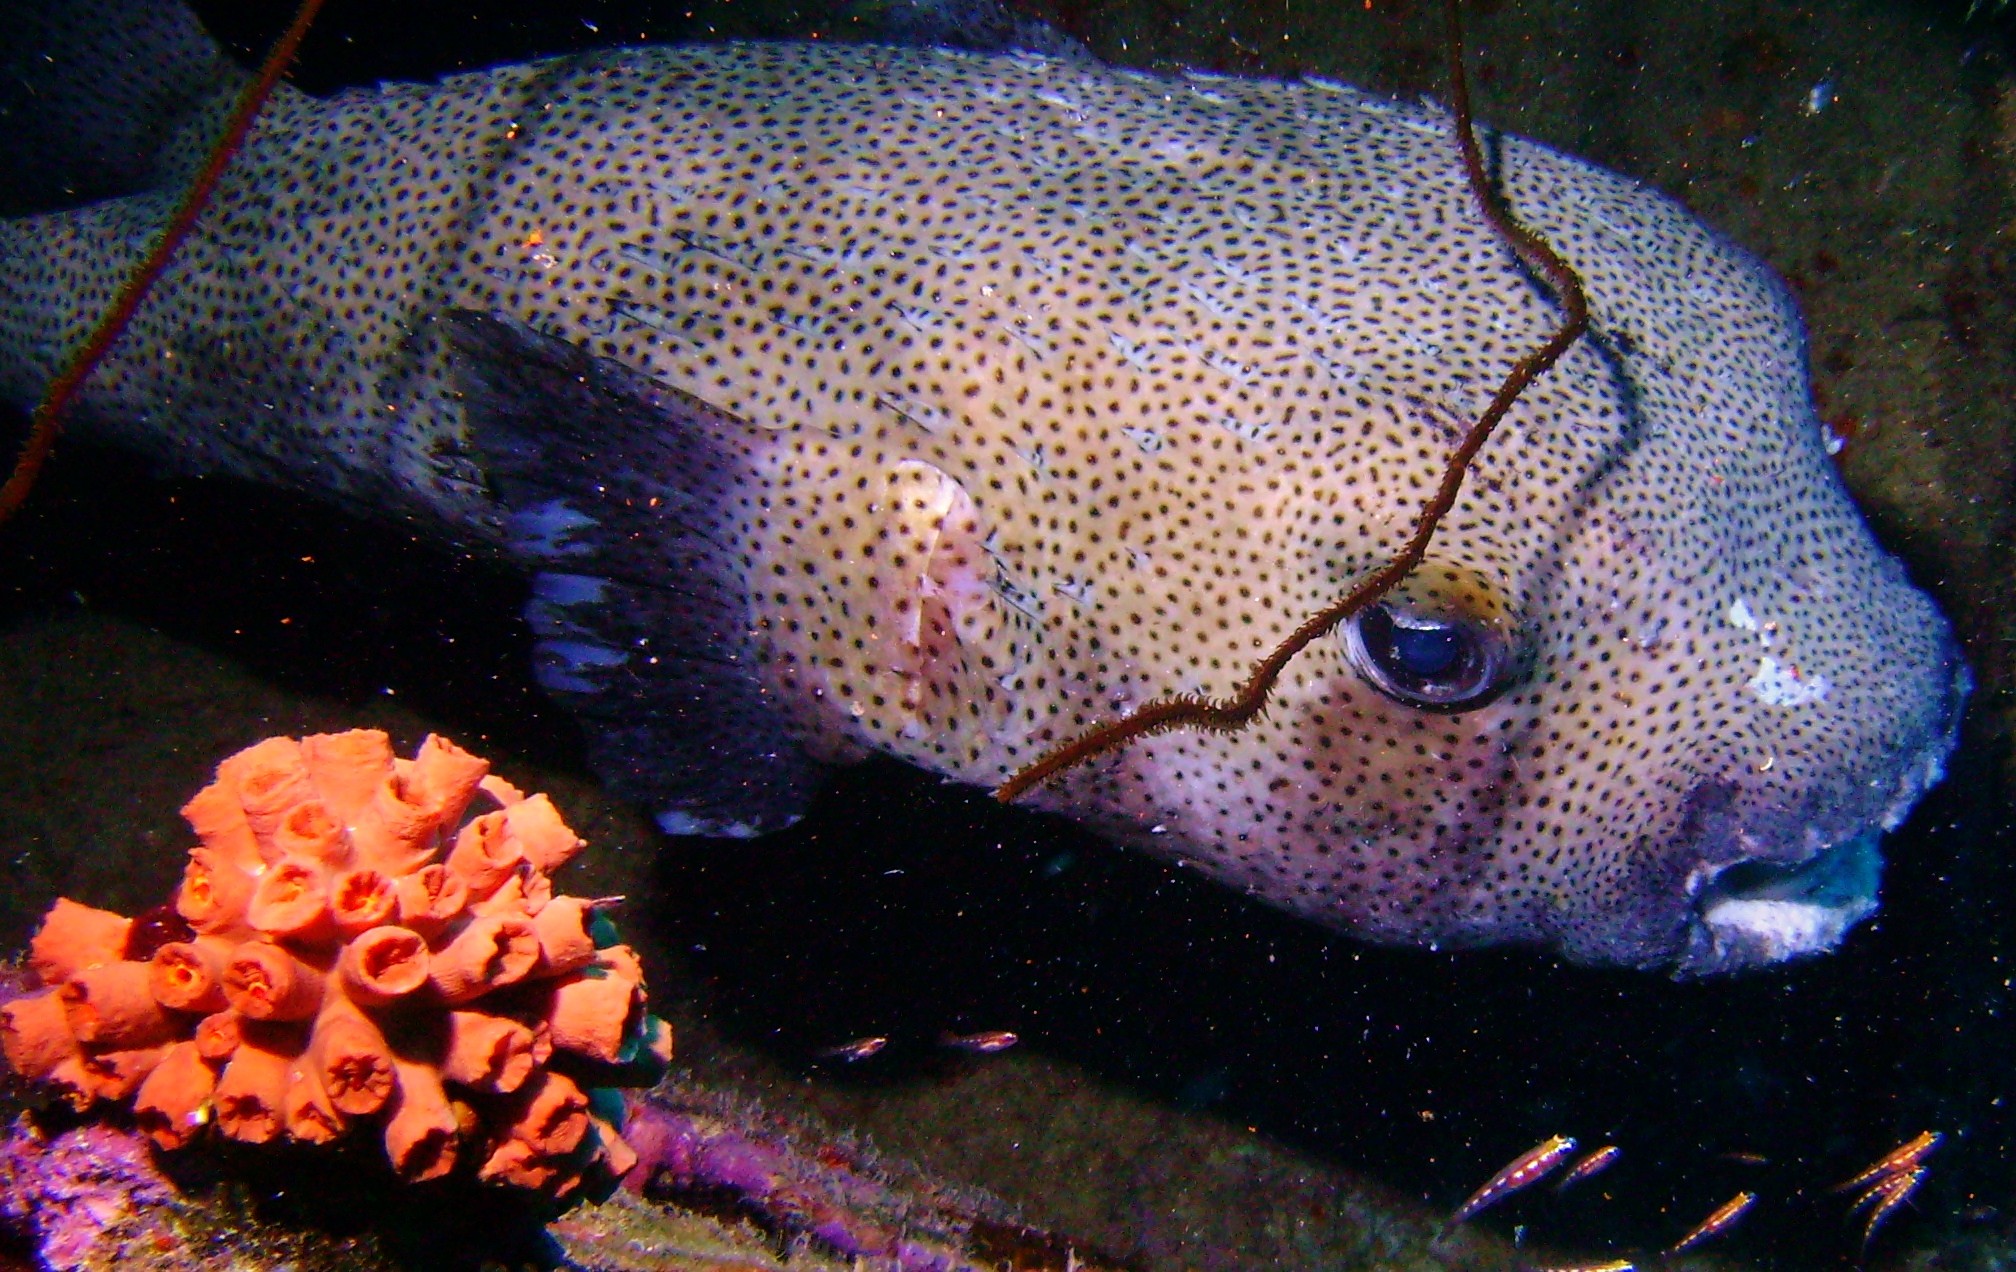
(347, 956)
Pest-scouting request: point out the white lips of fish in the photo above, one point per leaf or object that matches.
(943, 405)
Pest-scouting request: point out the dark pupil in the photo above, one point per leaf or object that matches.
(1427, 652)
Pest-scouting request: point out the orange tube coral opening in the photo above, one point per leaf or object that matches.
(524, 894)
(173, 1103)
(265, 982)
(77, 1088)
(307, 1110)
(73, 937)
(500, 790)
(347, 768)
(117, 1074)
(214, 814)
(550, 1114)
(35, 1035)
(484, 855)
(290, 900)
(430, 897)
(361, 899)
(352, 1057)
(308, 831)
(520, 1165)
(396, 832)
(422, 1136)
(218, 1035)
(541, 835)
(189, 975)
(268, 780)
(590, 1015)
(616, 1151)
(449, 775)
(490, 1053)
(493, 951)
(252, 1090)
(562, 928)
(215, 892)
(383, 964)
(112, 1005)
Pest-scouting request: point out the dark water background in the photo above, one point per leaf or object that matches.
(906, 908)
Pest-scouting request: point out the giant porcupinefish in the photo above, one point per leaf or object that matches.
(859, 399)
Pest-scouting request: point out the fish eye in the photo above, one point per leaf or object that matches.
(1442, 640)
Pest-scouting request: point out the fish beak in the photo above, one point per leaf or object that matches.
(1754, 913)
(1772, 897)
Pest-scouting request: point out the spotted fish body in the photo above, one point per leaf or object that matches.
(850, 400)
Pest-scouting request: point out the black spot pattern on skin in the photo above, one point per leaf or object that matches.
(1084, 387)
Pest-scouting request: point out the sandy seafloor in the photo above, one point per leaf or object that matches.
(1202, 1082)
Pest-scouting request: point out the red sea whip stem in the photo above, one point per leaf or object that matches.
(1189, 711)
(47, 421)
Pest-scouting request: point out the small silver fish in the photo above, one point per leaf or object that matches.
(1891, 1180)
(1597, 1161)
(1898, 1160)
(855, 1051)
(1723, 1218)
(1885, 1195)
(1523, 1171)
(985, 1042)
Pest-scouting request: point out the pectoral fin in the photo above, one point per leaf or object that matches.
(620, 493)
